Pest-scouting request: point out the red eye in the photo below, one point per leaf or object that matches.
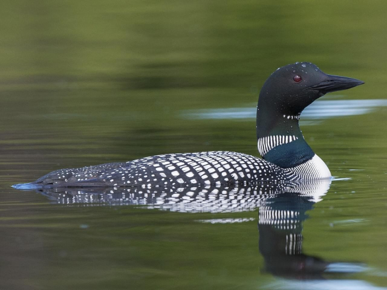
(297, 78)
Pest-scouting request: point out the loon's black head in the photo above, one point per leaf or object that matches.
(283, 97)
(295, 86)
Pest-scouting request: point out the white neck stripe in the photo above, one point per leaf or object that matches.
(265, 144)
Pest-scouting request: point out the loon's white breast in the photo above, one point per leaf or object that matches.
(315, 168)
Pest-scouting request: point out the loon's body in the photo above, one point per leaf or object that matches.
(287, 158)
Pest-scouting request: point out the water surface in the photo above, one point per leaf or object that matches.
(93, 82)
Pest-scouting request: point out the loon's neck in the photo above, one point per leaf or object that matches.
(280, 140)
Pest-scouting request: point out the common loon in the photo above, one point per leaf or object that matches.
(287, 158)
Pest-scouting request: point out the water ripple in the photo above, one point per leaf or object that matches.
(321, 109)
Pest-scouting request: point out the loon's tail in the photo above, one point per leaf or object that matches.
(38, 185)
(27, 186)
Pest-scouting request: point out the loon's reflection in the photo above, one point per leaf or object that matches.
(212, 199)
(280, 238)
(282, 211)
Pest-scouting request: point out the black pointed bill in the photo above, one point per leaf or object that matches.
(333, 83)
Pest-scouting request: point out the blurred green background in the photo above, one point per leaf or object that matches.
(89, 82)
(74, 72)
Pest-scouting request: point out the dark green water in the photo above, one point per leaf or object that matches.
(90, 82)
